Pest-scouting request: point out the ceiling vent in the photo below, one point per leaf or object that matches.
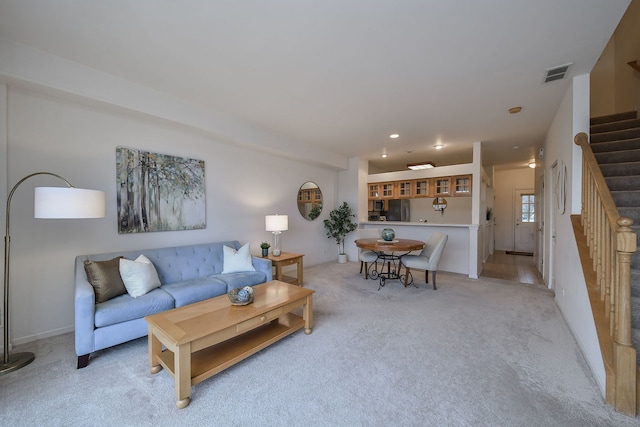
(557, 73)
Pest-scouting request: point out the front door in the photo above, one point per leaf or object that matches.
(525, 221)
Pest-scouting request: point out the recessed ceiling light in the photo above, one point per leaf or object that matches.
(515, 110)
(419, 166)
(394, 135)
(532, 165)
(516, 147)
(384, 155)
(438, 146)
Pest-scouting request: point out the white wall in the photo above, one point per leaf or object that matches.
(505, 183)
(458, 211)
(76, 137)
(570, 288)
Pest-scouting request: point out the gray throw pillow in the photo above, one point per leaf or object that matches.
(105, 278)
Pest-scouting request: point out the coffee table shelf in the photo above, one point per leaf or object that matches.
(215, 359)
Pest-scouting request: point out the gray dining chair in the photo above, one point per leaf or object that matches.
(428, 259)
(366, 257)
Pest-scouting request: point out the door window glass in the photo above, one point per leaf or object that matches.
(527, 202)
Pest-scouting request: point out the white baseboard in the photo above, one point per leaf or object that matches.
(35, 337)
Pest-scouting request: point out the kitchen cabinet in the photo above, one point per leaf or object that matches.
(421, 188)
(459, 185)
(442, 186)
(382, 190)
(374, 191)
(405, 189)
(462, 185)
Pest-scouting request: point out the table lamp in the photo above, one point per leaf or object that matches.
(49, 202)
(276, 224)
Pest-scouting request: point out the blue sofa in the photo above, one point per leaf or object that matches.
(187, 274)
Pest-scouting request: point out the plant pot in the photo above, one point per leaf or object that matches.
(265, 252)
(342, 258)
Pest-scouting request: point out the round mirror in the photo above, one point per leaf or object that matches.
(440, 204)
(310, 200)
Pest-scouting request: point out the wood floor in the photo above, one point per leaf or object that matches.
(518, 268)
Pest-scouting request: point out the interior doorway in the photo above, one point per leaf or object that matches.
(539, 255)
(551, 221)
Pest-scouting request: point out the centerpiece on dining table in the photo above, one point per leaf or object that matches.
(388, 234)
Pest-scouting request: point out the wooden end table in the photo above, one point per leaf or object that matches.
(206, 337)
(285, 259)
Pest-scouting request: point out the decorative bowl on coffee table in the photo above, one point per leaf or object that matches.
(241, 296)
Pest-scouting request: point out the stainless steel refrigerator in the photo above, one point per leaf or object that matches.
(398, 210)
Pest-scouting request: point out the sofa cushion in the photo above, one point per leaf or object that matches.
(139, 276)
(195, 290)
(240, 280)
(236, 260)
(125, 307)
(105, 278)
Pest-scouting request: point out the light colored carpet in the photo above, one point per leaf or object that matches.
(474, 352)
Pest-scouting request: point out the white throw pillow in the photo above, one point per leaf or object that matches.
(139, 276)
(236, 261)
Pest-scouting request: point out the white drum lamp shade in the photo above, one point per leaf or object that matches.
(276, 224)
(61, 202)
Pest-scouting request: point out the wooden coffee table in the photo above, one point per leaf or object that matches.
(207, 337)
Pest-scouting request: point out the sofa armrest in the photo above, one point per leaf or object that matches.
(85, 309)
(264, 265)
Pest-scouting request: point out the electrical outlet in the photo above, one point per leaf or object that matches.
(562, 291)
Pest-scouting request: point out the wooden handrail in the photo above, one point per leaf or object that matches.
(611, 243)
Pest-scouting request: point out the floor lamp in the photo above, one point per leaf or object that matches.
(49, 202)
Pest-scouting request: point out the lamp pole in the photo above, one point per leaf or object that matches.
(12, 362)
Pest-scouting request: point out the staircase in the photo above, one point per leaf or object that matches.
(615, 142)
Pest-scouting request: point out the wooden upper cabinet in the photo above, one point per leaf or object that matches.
(382, 190)
(405, 189)
(421, 188)
(387, 190)
(442, 186)
(374, 191)
(304, 195)
(462, 185)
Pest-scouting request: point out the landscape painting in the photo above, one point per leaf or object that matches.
(158, 192)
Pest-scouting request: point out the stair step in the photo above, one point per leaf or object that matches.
(635, 339)
(617, 156)
(613, 117)
(635, 312)
(615, 135)
(622, 183)
(621, 169)
(635, 283)
(624, 144)
(626, 198)
(612, 126)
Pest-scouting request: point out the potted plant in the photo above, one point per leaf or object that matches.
(338, 226)
(265, 248)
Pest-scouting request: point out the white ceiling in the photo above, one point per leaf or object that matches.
(343, 74)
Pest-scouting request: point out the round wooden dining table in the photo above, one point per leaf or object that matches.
(389, 254)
